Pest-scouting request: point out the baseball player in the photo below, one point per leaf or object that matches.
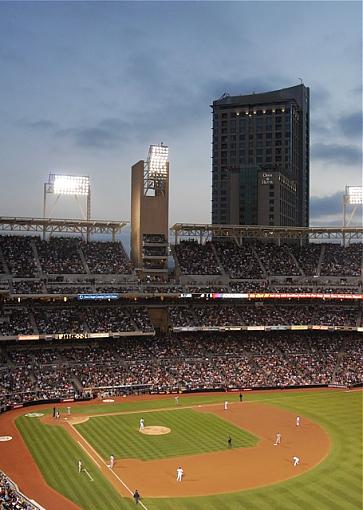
(142, 424)
(177, 400)
(80, 467)
(112, 462)
(298, 421)
(137, 496)
(225, 405)
(278, 439)
(295, 461)
(179, 474)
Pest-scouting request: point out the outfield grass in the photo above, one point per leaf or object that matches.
(191, 433)
(335, 484)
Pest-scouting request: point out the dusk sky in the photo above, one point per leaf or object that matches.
(85, 88)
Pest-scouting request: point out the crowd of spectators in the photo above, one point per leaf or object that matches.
(64, 318)
(109, 319)
(15, 321)
(219, 315)
(277, 260)
(342, 261)
(195, 258)
(257, 260)
(11, 498)
(307, 257)
(18, 254)
(350, 368)
(28, 287)
(239, 261)
(187, 361)
(60, 255)
(106, 258)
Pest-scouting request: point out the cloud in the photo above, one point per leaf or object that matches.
(336, 153)
(319, 96)
(105, 134)
(328, 211)
(326, 206)
(42, 125)
(351, 125)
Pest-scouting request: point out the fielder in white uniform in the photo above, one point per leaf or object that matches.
(179, 474)
(295, 461)
(142, 424)
(226, 405)
(278, 439)
(298, 421)
(112, 461)
(79, 466)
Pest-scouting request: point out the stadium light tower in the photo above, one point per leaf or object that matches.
(353, 197)
(150, 213)
(68, 185)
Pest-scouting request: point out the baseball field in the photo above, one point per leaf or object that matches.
(250, 473)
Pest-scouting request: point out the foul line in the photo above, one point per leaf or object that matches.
(81, 445)
(87, 473)
(103, 462)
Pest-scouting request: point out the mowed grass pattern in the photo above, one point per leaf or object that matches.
(57, 456)
(191, 433)
(335, 484)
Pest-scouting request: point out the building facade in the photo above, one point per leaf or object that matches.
(260, 170)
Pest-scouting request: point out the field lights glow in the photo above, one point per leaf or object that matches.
(158, 157)
(69, 184)
(354, 195)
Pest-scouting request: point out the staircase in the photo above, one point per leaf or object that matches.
(321, 258)
(265, 275)
(36, 256)
(83, 259)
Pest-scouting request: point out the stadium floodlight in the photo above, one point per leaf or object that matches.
(158, 157)
(354, 195)
(77, 186)
(69, 185)
(156, 169)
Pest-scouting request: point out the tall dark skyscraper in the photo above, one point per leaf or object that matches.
(260, 173)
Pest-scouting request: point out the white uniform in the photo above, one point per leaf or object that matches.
(278, 439)
(179, 474)
(298, 421)
(112, 461)
(79, 466)
(226, 405)
(142, 424)
(295, 461)
(177, 400)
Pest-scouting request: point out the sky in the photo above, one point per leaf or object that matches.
(86, 87)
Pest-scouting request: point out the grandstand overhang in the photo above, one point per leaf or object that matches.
(65, 226)
(205, 232)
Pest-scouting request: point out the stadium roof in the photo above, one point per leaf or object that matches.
(52, 225)
(238, 232)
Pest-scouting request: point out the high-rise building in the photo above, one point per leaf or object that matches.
(260, 172)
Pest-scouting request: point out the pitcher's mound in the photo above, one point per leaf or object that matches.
(155, 430)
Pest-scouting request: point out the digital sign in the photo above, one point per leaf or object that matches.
(85, 297)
